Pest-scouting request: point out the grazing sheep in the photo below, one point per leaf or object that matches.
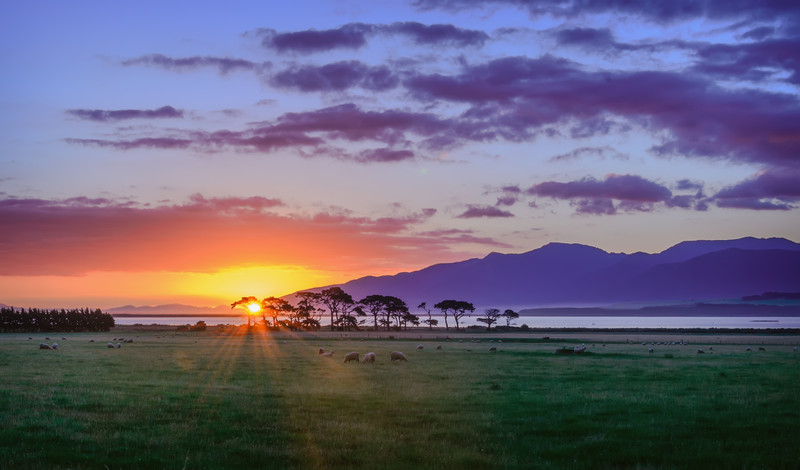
(55, 346)
(91, 341)
(47, 338)
(369, 358)
(110, 345)
(761, 348)
(326, 354)
(580, 349)
(351, 356)
(397, 356)
(44, 346)
(320, 351)
(650, 350)
(749, 349)
(64, 338)
(129, 340)
(440, 347)
(794, 349)
(493, 349)
(700, 351)
(119, 345)
(419, 346)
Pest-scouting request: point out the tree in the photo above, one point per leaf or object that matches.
(373, 305)
(510, 316)
(456, 308)
(275, 307)
(491, 316)
(251, 305)
(307, 313)
(431, 322)
(338, 303)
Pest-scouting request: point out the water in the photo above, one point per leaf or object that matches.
(533, 321)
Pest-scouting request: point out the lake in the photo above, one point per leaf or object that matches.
(532, 321)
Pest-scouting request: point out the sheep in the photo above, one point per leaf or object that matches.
(650, 350)
(320, 351)
(119, 345)
(326, 354)
(700, 351)
(44, 346)
(761, 348)
(351, 356)
(369, 358)
(493, 349)
(580, 349)
(440, 347)
(91, 341)
(397, 356)
(129, 340)
(419, 346)
(55, 346)
(794, 349)
(110, 345)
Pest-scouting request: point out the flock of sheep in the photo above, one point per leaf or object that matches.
(111, 345)
(369, 358)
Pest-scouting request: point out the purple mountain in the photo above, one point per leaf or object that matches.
(572, 274)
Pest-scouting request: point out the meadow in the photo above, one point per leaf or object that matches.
(209, 400)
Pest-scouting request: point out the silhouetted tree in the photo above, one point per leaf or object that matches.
(510, 316)
(245, 303)
(456, 308)
(490, 317)
(431, 322)
(307, 313)
(338, 303)
(275, 308)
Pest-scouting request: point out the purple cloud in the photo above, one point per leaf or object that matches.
(476, 211)
(349, 36)
(145, 142)
(653, 10)
(223, 64)
(620, 187)
(515, 97)
(444, 34)
(103, 115)
(385, 155)
(336, 76)
(751, 61)
(770, 190)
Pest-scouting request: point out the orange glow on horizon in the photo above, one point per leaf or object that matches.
(254, 308)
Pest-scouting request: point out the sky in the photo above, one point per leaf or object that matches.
(196, 152)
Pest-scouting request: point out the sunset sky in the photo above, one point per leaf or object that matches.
(160, 152)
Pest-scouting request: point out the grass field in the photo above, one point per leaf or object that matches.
(206, 400)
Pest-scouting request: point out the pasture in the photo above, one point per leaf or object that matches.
(205, 400)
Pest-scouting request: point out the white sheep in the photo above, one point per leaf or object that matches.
(369, 358)
(351, 356)
(419, 346)
(397, 356)
(129, 340)
(650, 350)
(320, 351)
(493, 349)
(119, 345)
(326, 354)
(44, 346)
(55, 346)
(91, 341)
(110, 345)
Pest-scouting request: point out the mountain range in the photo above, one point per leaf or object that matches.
(581, 275)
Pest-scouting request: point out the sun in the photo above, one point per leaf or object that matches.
(254, 307)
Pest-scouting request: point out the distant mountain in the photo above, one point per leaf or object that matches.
(573, 274)
(172, 309)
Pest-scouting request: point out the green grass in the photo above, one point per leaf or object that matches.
(200, 400)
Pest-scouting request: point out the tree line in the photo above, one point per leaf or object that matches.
(345, 314)
(44, 320)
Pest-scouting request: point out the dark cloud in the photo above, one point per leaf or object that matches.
(514, 98)
(620, 187)
(770, 190)
(586, 37)
(440, 34)
(751, 61)
(145, 142)
(336, 76)
(475, 211)
(653, 10)
(223, 64)
(349, 36)
(104, 115)
(385, 155)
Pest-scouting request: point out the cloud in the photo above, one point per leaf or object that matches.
(755, 62)
(224, 65)
(437, 34)
(476, 211)
(79, 235)
(654, 10)
(144, 142)
(513, 98)
(769, 190)
(103, 115)
(337, 76)
(384, 155)
(349, 36)
(581, 152)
